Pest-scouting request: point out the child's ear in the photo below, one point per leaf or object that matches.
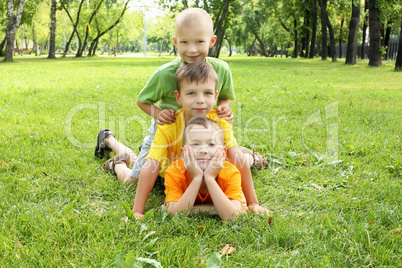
(177, 95)
(216, 94)
(175, 41)
(212, 42)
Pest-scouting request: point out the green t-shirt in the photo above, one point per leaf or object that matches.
(162, 84)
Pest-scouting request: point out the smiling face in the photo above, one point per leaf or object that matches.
(204, 141)
(193, 42)
(197, 99)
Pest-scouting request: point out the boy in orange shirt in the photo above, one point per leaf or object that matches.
(202, 176)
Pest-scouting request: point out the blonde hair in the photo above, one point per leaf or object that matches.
(198, 72)
(197, 16)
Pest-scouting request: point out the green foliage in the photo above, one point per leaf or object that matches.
(58, 206)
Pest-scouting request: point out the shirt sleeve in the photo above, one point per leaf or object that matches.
(227, 90)
(228, 136)
(174, 179)
(159, 146)
(153, 90)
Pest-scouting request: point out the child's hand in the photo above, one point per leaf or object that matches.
(257, 209)
(216, 164)
(190, 163)
(166, 117)
(225, 112)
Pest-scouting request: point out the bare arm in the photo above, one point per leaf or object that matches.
(146, 182)
(225, 207)
(236, 157)
(223, 102)
(165, 116)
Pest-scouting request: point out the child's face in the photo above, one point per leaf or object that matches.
(204, 142)
(193, 42)
(197, 99)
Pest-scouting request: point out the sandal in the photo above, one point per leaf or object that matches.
(101, 148)
(121, 158)
(259, 161)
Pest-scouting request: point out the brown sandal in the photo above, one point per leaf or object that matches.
(121, 158)
(259, 161)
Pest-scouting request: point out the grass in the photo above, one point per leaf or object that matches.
(332, 134)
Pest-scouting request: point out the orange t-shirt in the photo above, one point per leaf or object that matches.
(177, 180)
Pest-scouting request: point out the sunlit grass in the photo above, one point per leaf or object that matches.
(332, 133)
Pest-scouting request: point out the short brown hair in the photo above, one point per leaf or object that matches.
(205, 122)
(198, 72)
(191, 16)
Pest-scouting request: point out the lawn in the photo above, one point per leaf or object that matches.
(331, 132)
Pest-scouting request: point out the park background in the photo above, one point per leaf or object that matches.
(331, 132)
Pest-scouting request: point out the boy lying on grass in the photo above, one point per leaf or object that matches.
(202, 176)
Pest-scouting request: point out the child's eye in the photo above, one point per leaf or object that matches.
(211, 144)
(208, 93)
(190, 93)
(194, 144)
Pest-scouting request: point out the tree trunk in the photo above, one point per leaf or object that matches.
(398, 63)
(375, 34)
(263, 50)
(230, 46)
(81, 49)
(13, 24)
(353, 31)
(35, 43)
(163, 40)
(117, 43)
(340, 37)
(219, 32)
(387, 36)
(96, 39)
(2, 44)
(330, 28)
(324, 38)
(307, 39)
(314, 30)
(52, 42)
(363, 52)
(295, 52)
(18, 48)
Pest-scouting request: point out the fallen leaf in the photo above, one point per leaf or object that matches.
(396, 231)
(3, 164)
(200, 228)
(227, 250)
(19, 245)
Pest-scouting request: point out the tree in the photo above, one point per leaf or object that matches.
(324, 17)
(94, 43)
(353, 30)
(64, 5)
(375, 34)
(398, 63)
(13, 24)
(52, 42)
(314, 30)
(363, 52)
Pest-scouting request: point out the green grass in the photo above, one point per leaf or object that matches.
(332, 133)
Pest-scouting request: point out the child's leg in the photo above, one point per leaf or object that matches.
(118, 147)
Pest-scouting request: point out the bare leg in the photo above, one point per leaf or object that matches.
(118, 147)
(123, 175)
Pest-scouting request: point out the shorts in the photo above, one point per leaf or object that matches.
(146, 146)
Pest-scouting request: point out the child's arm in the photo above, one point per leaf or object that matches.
(162, 117)
(146, 182)
(224, 110)
(225, 207)
(237, 158)
(186, 201)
